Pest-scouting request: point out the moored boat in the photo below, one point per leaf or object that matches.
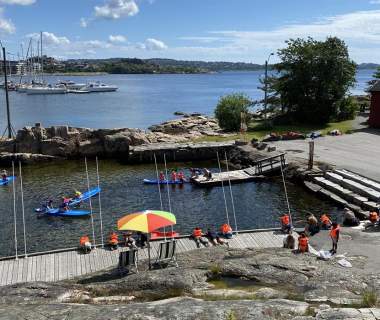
(46, 90)
(100, 87)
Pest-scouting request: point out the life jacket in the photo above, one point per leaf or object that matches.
(174, 176)
(162, 176)
(83, 240)
(325, 219)
(114, 238)
(226, 228)
(373, 217)
(285, 220)
(197, 233)
(334, 232)
(303, 243)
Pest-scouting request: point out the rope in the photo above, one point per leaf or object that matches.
(88, 189)
(23, 209)
(286, 194)
(14, 207)
(167, 184)
(224, 194)
(100, 203)
(158, 181)
(232, 197)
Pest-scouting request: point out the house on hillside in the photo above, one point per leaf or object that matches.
(374, 115)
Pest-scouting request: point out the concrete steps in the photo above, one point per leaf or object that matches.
(339, 187)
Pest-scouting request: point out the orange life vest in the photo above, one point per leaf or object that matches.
(226, 228)
(373, 217)
(303, 243)
(114, 238)
(334, 232)
(197, 233)
(83, 240)
(325, 219)
(285, 220)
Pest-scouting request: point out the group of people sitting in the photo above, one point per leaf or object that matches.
(128, 240)
(312, 227)
(174, 176)
(211, 236)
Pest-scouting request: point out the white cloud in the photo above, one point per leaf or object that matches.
(117, 39)
(153, 44)
(374, 2)
(83, 22)
(18, 2)
(116, 9)
(50, 39)
(6, 25)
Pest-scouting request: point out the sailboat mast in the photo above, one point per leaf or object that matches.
(42, 60)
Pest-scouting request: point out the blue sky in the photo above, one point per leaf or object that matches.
(230, 30)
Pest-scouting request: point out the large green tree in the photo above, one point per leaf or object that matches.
(313, 79)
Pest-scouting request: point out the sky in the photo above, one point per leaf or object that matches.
(210, 30)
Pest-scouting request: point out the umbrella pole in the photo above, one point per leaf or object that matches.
(150, 263)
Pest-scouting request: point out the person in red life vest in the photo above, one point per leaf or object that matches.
(85, 244)
(226, 231)
(113, 241)
(303, 243)
(198, 237)
(174, 176)
(181, 176)
(286, 226)
(325, 221)
(373, 217)
(334, 234)
(161, 176)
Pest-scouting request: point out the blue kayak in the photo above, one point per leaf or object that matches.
(148, 181)
(85, 196)
(57, 212)
(9, 179)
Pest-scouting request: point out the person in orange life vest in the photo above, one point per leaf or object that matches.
(162, 176)
(226, 231)
(303, 243)
(181, 176)
(85, 244)
(286, 226)
(113, 241)
(198, 237)
(373, 217)
(325, 221)
(334, 234)
(174, 175)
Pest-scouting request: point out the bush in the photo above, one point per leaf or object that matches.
(369, 298)
(229, 109)
(347, 109)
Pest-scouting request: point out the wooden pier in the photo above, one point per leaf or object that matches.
(255, 172)
(70, 263)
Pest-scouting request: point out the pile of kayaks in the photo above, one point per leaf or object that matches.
(5, 182)
(60, 212)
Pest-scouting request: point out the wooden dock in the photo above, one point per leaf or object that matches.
(63, 265)
(255, 172)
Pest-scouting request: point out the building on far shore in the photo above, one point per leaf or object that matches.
(374, 115)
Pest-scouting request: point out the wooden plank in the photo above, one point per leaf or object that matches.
(29, 269)
(20, 267)
(1, 271)
(25, 269)
(254, 240)
(48, 268)
(52, 266)
(72, 265)
(5, 272)
(56, 266)
(61, 266)
(11, 268)
(78, 268)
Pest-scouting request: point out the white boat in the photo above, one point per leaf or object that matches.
(99, 87)
(46, 90)
(71, 85)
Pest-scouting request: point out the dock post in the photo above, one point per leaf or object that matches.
(311, 155)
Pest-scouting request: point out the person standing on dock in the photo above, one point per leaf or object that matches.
(334, 234)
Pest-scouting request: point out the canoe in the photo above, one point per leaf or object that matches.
(9, 179)
(85, 196)
(148, 181)
(57, 212)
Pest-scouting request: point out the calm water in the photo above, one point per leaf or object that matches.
(258, 204)
(142, 100)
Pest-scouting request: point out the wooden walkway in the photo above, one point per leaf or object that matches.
(70, 264)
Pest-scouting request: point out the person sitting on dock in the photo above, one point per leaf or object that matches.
(374, 218)
(173, 176)
(113, 241)
(162, 177)
(85, 244)
(325, 222)
(4, 175)
(303, 243)
(226, 231)
(286, 226)
(214, 238)
(198, 237)
(334, 234)
(312, 226)
(142, 239)
(289, 241)
(349, 218)
(181, 176)
(129, 241)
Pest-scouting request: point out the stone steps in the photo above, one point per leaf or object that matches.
(358, 178)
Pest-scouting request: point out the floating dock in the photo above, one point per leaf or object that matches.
(256, 172)
(70, 263)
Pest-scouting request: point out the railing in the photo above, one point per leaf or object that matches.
(263, 164)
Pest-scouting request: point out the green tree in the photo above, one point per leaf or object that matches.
(313, 79)
(229, 109)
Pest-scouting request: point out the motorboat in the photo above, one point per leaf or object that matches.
(99, 87)
(46, 89)
(71, 85)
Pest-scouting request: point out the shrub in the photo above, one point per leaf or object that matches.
(369, 298)
(347, 109)
(229, 109)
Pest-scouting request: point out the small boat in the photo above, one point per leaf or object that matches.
(78, 91)
(9, 179)
(85, 196)
(71, 85)
(159, 235)
(46, 90)
(99, 87)
(149, 181)
(57, 212)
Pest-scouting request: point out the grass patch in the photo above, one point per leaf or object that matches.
(369, 298)
(231, 315)
(230, 297)
(216, 271)
(310, 312)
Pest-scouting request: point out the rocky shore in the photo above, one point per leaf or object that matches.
(212, 283)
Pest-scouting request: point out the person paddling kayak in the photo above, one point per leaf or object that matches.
(4, 175)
